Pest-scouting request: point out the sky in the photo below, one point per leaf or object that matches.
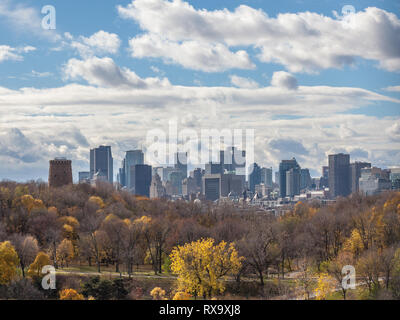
(311, 78)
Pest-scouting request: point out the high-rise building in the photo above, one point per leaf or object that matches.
(266, 176)
(395, 178)
(84, 177)
(277, 178)
(324, 181)
(293, 182)
(214, 168)
(284, 166)
(140, 175)
(212, 186)
(254, 177)
(233, 160)
(60, 172)
(157, 190)
(355, 174)
(305, 179)
(121, 176)
(176, 177)
(339, 175)
(197, 175)
(181, 163)
(189, 186)
(101, 163)
(374, 181)
(132, 158)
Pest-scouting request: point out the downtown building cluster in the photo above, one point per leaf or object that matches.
(227, 178)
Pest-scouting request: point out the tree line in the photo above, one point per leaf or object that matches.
(100, 226)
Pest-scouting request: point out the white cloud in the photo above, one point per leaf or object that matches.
(24, 19)
(10, 53)
(284, 79)
(393, 89)
(305, 123)
(104, 72)
(302, 42)
(241, 82)
(100, 43)
(41, 74)
(194, 55)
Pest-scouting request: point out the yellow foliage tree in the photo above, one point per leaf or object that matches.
(30, 203)
(41, 260)
(65, 252)
(354, 243)
(157, 293)
(97, 200)
(325, 286)
(8, 262)
(181, 295)
(70, 294)
(201, 266)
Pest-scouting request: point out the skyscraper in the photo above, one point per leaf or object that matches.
(355, 174)
(84, 177)
(254, 177)
(132, 158)
(122, 174)
(233, 159)
(101, 163)
(293, 182)
(339, 175)
(157, 190)
(60, 172)
(212, 186)
(141, 179)
(197, 175)
(305, 179)
(181, 163)
(284, 166)
(266, 176)
(324, 181)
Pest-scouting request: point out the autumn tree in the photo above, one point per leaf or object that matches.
(70, 294)
(41, 260)
(65, 252)
(325, 286)
(335, 268)
(8, 262)
(26, 248)
(259, 248)
(131, 238)
(201, 266)
(90, 224)
(115, 230)
(155, 232)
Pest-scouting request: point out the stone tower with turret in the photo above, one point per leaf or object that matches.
(60, 172)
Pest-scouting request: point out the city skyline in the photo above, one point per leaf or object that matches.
(110, 79)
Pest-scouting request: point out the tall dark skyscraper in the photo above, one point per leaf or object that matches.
(293, 182)
(141, 179)
(197, 175)
(266, 176)
(339, 175)
(132, 158)
(101, 163)
(284, 166)
(254, 177)
(305, 179)
(233, 159)
(181, 163)
(355, 174)
(122, 174)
